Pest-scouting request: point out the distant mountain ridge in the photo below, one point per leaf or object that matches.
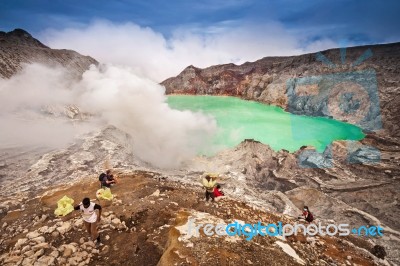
(18, 47)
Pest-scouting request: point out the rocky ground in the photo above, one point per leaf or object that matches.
(146, 224)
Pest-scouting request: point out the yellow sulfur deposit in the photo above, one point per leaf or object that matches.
(104, 193)
(64, 206)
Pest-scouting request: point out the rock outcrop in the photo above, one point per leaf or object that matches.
(18, 47)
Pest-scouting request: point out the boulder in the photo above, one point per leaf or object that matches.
(39, 239)
(73, 261)
(365, 155)
(28, 261)
(78, 223)
(15, 260)
(67, 252)
(20, 242)
(88, 244)
(40, 246)
(39, 253)
(156, 193)
(43, 229)
(31, 235)
(43, 218)
(115, 221)
(55, 254)
(62, 261)
(29, 253)
(379, 251)
(65, 227)
(314, 159)
(26, 248)
(105, 249)
(44, 261)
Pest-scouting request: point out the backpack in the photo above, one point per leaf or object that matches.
(102, 176)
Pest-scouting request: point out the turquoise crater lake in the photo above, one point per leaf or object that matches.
(239, 119)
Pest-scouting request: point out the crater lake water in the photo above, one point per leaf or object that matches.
(239, 119)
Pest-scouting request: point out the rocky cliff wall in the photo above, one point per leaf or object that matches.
(18, 47)
(360, 85)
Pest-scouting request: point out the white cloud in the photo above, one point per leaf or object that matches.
(154, 56)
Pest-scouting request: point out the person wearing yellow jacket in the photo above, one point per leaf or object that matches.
(209, 184)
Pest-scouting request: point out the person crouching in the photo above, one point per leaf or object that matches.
(307, 215)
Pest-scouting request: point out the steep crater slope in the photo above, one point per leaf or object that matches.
(269, 80)
(18, 47)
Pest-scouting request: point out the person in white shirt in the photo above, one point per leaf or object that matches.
(90, 217)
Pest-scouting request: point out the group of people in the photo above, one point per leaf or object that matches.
(91, 218)
(213, 190)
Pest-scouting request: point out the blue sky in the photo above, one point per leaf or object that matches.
(175, 34)
(369, 21)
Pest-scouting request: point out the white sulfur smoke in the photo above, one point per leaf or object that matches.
(161, 136)
(27, 98)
